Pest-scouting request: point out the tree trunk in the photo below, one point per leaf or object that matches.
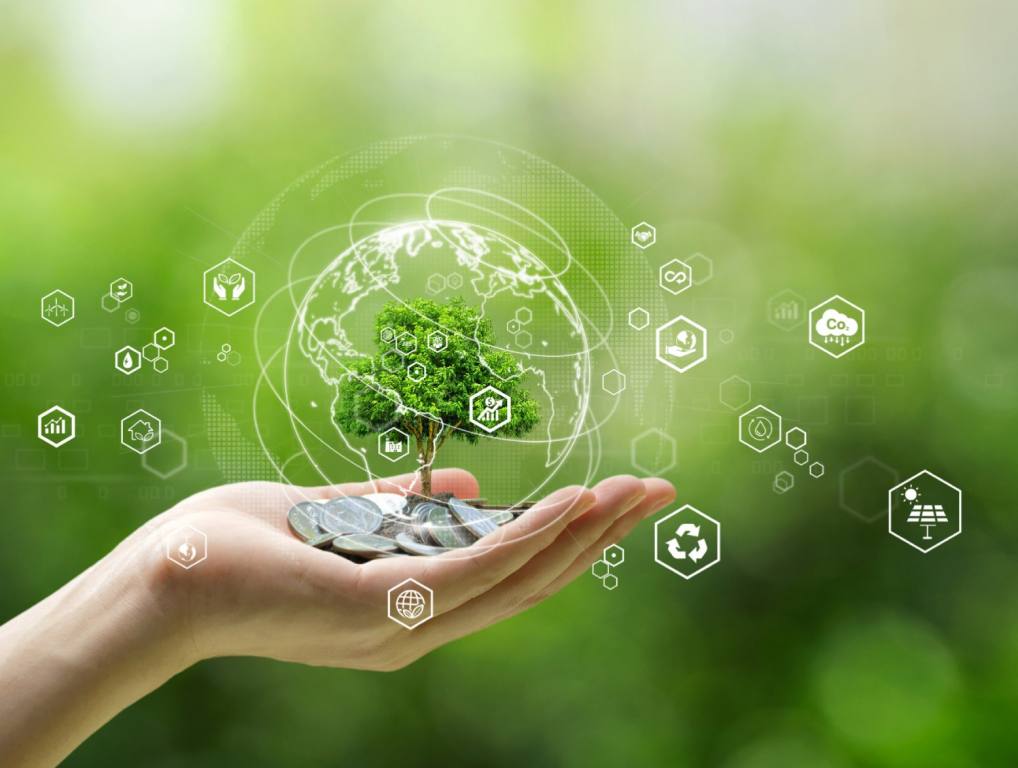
(425, 458)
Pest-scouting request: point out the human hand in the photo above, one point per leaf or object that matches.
(264, 592)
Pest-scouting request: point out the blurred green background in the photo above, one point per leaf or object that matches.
(866, 150)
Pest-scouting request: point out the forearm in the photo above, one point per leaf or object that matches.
(75, 660)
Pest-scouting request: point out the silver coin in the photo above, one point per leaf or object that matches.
(303, 519)
(409, 544)
(389, 503)
(322, 540)
(364, 545)
(350, 514)
(472, 518)
(499, 516)
(441, 528)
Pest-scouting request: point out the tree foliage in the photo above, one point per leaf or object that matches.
(379, 393)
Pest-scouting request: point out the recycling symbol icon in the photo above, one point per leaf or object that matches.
(687, 541)
(675, 547)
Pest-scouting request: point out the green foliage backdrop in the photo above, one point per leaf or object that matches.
(864, 150)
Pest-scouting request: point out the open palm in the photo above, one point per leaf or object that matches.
(264, 592)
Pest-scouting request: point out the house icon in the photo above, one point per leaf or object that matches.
(141, 431)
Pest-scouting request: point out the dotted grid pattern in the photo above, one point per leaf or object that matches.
(622, 270)
(238, 458)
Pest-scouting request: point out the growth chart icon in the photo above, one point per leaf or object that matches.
(56, 426)
(687, 541)
(490, 409)
(229, 287)
(924, 511)
(837, 326)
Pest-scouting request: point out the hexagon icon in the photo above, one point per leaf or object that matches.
(454, 280)
(436, 283)
(786, 310)
(127, 360)
(160, 365)
(837, 326)
(801, 458)
(652, 452)
(56, 426)
(416, 371)
(643, 235)
(613, 382)
(675, 276)
(164, 338)
(406, 343)
(490, 409)
(150, 352)
(437, 341)
(141, 431)
(734, 392)
(816, 469)
(681, 344)
(687, 541)
(524, 315)
(524, 339)
(702, 268)
(108, 303)
(924, 511)
(57, 308)
(187, 546)
(795, 438)
(610, 581)
(229, 287)
(121, 290)
(394, 444)
(411, 603)
(170, 459)
(639, 318)
(784, 481)
(760, 428)
(862, 485)
(614, 555)
(600, 569)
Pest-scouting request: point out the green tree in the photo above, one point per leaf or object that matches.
(456, 347)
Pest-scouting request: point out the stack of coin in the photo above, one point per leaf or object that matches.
(387, 524)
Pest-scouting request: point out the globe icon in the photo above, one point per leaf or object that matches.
(410, 604)
(509, 285)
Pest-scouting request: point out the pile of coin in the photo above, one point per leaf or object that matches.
(388, 524)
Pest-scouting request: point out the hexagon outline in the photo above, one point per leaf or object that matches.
(124, 428)
(405, 441)
(211, 273)
(890, 507)
(675, 267)
(710, 264)
(798, 431)
(42, 308)
(172, 334)
(843, 502)
(180, 467)
(614, 548)
(204, 548)
(848, 348)
(699, 358)
(671, 450)
(643, 245)
(735, 406)
(801, 301)
(619, 379)
(819, 464)
(645, 316)
(777, 432)
(440, 338)
(73, 432)
(429, 603)
(657, 541)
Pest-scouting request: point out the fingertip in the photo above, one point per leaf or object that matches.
(660, 493)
